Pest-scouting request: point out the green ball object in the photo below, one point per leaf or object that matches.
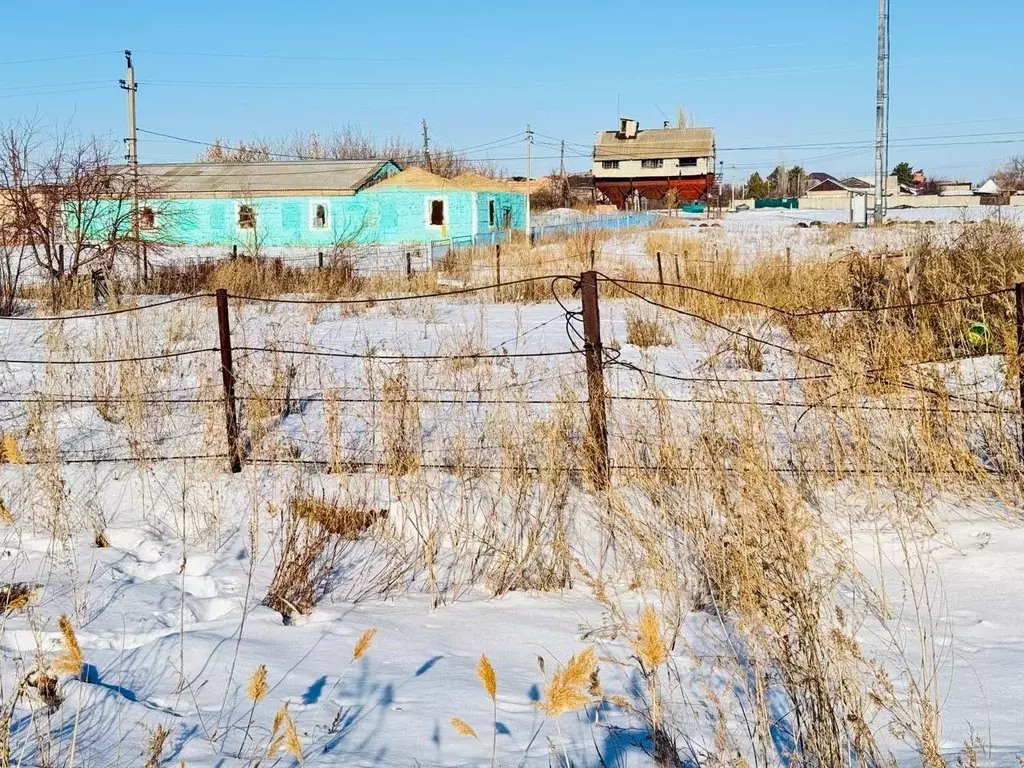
(977, 334)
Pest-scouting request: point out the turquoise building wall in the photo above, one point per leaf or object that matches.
(374, 216)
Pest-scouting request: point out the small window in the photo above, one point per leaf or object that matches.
(687, 162)
(506, 214)
(147, 218)
(246, 217)
(437, 213)
(319, 216)
(610, 165)
(492, 213)
(651, 163)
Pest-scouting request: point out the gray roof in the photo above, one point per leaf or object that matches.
(854, 183)
(268, 179)
(656, 143)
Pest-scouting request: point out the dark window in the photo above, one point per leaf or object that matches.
(492, 213)
(610, 165)
(246, 217)
(507, 217)
(147, 218)
(437, 213)
(687, 162)
(320, 216)
(651, 163)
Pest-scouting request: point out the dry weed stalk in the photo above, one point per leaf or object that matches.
(156, 738)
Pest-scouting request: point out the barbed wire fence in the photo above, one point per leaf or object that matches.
(232, 378)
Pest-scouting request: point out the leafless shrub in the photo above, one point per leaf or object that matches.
(313, 539)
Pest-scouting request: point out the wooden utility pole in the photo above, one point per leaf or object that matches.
(597, 449)
(228, 374)
(529, 146)
(426, 147)
(661, 272)
(408, 265)
(132, 145)
(497, 264)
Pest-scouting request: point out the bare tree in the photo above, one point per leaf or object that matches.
(347, 144)
(12, 261)
(70, 206)
(1010, 176)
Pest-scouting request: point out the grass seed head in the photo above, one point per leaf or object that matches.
(70, 660)
(363, 643)
(463, 728)
(569, 686)
(284, 735)
(650, 645)
(485, 672)
(257, 690)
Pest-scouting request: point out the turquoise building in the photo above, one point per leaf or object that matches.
(320, 203)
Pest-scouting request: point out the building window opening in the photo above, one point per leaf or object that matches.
(437, 213)
(492, 213)
(320, 216)
(610, 165)
(651, 163)
(147, 218)
(246, 217)
(687, 162)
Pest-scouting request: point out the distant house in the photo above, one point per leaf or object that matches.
(318, 203)
(830, 185)
(955, 188)
(818, 176)
(632, 165)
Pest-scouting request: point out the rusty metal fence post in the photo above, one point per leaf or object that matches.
(597, 448)
(228, 374)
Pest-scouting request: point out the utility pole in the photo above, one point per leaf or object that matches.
(132, 142)
(529, 144)
(561, 173)
(881, 110)
(426, 147)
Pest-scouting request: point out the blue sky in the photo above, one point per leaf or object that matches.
(793, 75)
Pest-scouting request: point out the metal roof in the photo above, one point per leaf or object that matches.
(267, 179)
(655, 143)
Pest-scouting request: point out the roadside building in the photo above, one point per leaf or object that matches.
(318, 203)
(632, 165)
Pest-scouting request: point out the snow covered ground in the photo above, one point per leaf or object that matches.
(162, 566)
(752, 234)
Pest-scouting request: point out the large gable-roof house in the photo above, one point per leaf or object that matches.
(631, 164)
(317, 203)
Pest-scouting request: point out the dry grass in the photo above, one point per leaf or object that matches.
(70, 660)
(16, 597)
(757, 552)
(569, 687)
(156, 739)
(312, 541)
(646, 330)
